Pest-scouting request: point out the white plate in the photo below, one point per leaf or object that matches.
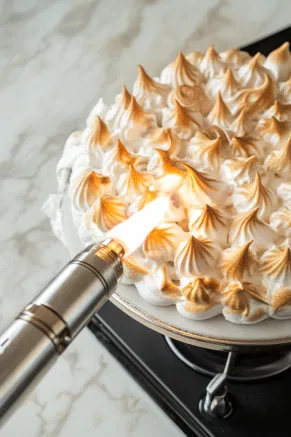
(215, 333)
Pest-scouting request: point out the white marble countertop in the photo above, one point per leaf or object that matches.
(56, 58)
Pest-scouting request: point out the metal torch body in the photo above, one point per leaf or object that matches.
(53, 319)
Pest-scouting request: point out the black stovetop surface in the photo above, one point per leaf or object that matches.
(260, 408)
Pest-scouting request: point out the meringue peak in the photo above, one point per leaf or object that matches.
(169, 165)
(181, 72)
(280, 161)
(237, 296)
(182, 116)
(196, 180)
(253, 195)
(281, 54)
(195, 256)
(134, 182)
(220, 114)
(162, 241)
(108, 211)
(245, 146)
(88, 187)
(125, 97)
(209, 219)
(200, 290)
(276, 264)
(99, 134)
(247, 226)
(191, 97)
(147, 197)
(147, 84)
(238, 262)
(122, 154)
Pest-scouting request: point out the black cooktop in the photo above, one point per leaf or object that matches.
(256, 408)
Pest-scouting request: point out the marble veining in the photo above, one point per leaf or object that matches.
(57, 58)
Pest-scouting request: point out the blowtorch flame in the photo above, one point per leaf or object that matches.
(132, 232)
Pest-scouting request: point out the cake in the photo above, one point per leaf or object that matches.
(214, 131)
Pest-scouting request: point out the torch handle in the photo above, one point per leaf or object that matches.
(50, 322)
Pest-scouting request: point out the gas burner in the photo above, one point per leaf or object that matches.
(201, 404)
(245, 367)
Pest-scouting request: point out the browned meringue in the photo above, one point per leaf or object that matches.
(281, 111)
(239, 262)
(135, 121)
(170, 174)
(211, 63)
(237, 297)
(279, 62)
(99, 135)
(201, 294)
(257, 99)
(164, 139)
(115, 113)
(235, 57)
(183, 121)
(276, 264)
(225, 84)
(191, 97)
(239, 171)
(195, 58)
(247, 146)
(242, 123)
(133, 270)
(205, 152)
(255, 194)
(285, 89)
(181, 72)
(200, 188)
(252, 74)
(162, 242)
(148, 92)
(196, 256)
(133, 183)
(273, 130)
(247, 226)
(280, 161)
(210, 136)
(87, 187)
(107, 212)
(209, 222)
(220, 115)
